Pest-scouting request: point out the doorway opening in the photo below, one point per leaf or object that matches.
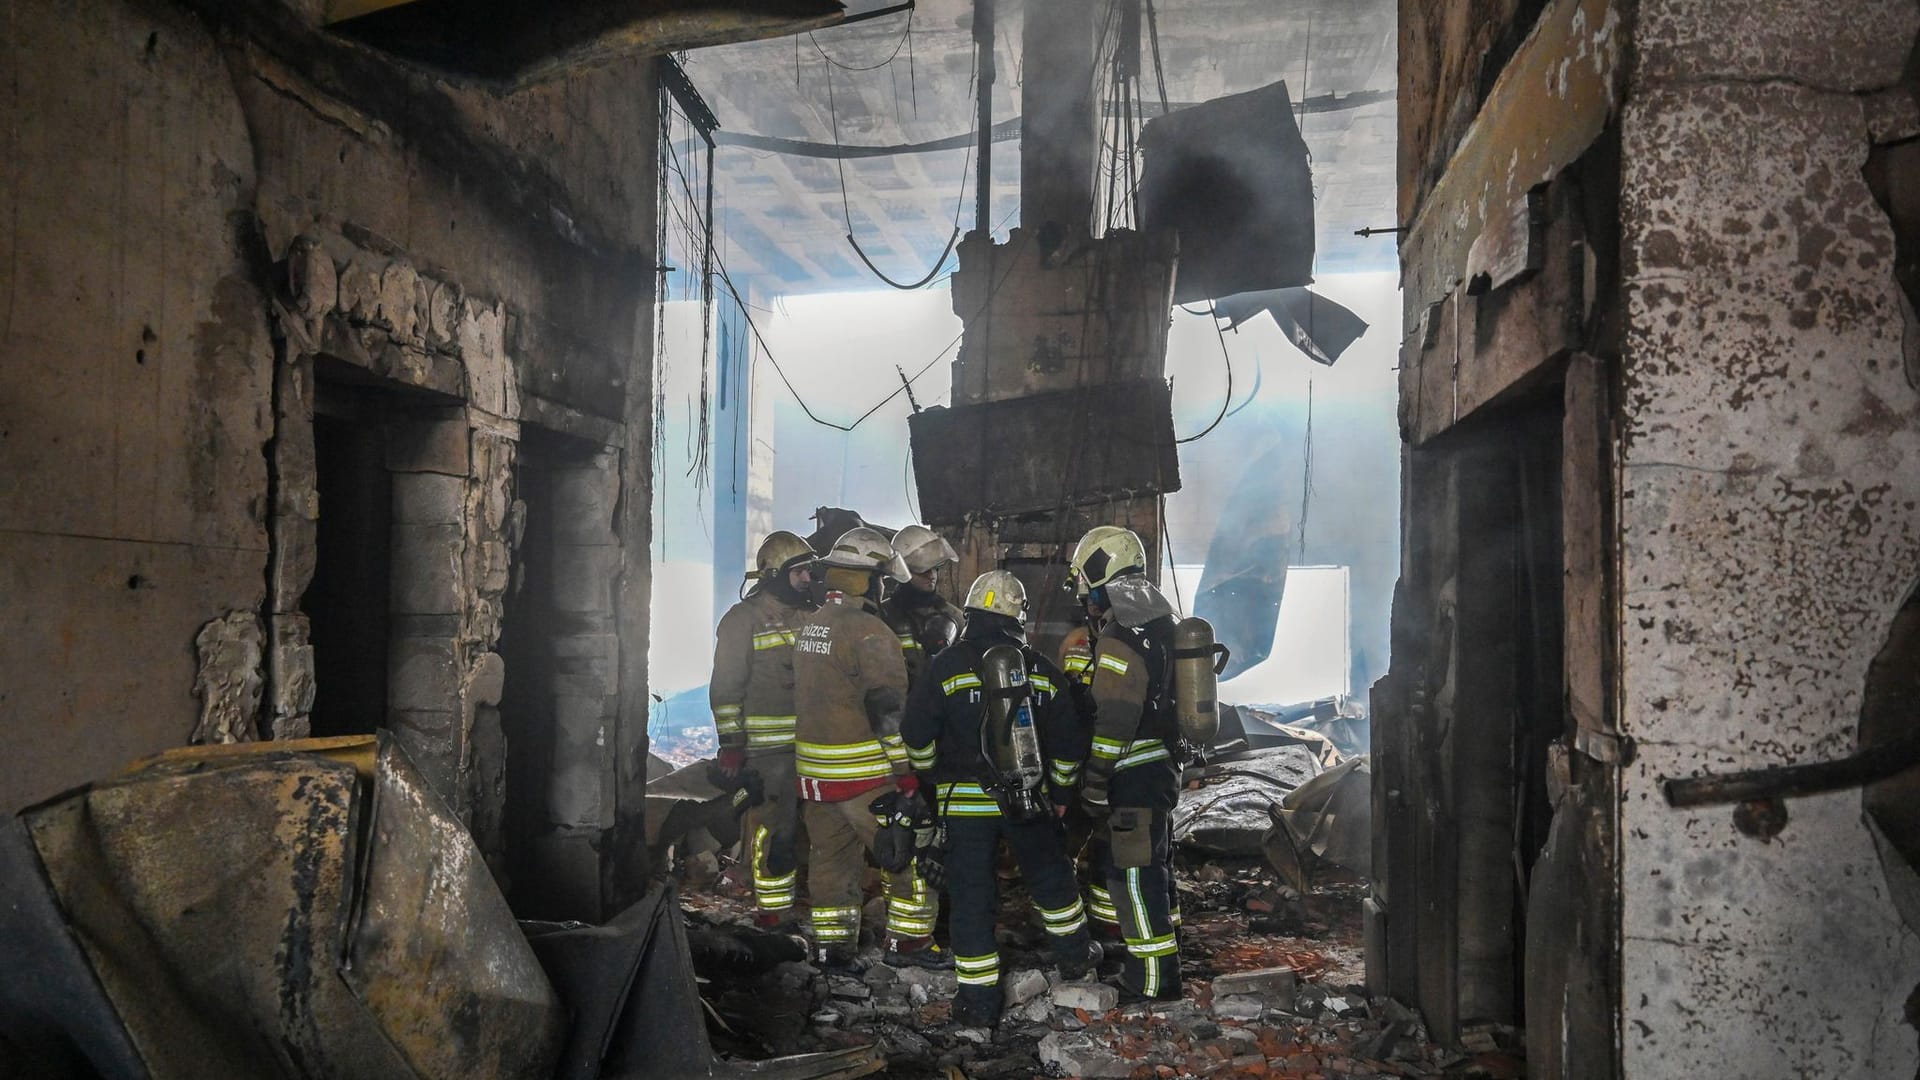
(347, 601)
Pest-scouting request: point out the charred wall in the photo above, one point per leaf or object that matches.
(1769, 528)
(213, 212)
(1680, 224)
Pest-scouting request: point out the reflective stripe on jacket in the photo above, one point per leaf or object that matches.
(850, 684)
(752, 688)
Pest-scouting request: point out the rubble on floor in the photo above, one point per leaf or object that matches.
(1272, 990)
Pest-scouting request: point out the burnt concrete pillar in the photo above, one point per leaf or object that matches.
(1059, 125)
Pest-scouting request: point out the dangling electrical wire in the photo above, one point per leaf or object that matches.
(846, 208)
(1227, 398)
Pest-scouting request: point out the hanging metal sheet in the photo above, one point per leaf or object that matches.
(1231, 177)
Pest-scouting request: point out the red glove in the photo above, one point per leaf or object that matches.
(907, 784)
(731, 761)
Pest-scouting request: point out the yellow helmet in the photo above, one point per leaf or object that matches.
(1102, 555)
(999, 592)
(778, 552)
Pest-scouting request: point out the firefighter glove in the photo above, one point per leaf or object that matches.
(933, 868)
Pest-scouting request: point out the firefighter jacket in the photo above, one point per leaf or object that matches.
(752, 688)
(1135, 732)
(946, 710)
(925, 624)
(850, 686)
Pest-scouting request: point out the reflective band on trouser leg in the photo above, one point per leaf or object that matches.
(910, 916)
(1143, 944)
(978, 970)
(836, 925)
(773, 894)
(1066, 921)
(1100, 905)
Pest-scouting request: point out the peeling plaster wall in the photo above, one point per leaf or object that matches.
(135, 382)
(1769, 508)
(198, 202)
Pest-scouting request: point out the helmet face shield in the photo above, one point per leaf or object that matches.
(923, 549)
(867, 550)
(1103, 554)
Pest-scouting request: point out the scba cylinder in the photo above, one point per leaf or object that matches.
(1198, 661)
(1011, 741)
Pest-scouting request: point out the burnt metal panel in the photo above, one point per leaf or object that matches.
(1048, 451)
(218, 896)
(1231, 177)
(210, 895)
(434, 952)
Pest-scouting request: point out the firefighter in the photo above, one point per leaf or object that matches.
(752, 699)
(923, 619)
(952, 731)
(1132, 779)
(850, 688)
(1085, 843)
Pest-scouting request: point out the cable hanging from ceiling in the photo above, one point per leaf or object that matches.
(846, 209)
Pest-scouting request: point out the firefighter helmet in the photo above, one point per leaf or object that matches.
(779, 552)
(866, 549)
(1103, 554)
(999, 592)
(923, 549)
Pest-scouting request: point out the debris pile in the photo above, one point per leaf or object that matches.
(1273, 989)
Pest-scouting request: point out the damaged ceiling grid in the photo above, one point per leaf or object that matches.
(782, 218)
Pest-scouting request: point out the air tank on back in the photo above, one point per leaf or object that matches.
(1010, 740)
(1197, 662)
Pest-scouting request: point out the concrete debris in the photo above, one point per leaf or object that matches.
(1238, 1007)
(1270, 993)
(1024, 986)
(1079, 1054)
(848, 989)
(1267, 982)
(1093, 998)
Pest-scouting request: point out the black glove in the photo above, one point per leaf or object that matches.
(932, 864)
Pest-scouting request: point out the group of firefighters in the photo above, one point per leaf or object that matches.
(883, 726)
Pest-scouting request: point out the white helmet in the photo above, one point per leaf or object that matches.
(1102, 555)
(999, 592)
(923, 549)
(866, 549)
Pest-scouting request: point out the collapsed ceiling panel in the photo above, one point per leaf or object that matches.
(1231, 177)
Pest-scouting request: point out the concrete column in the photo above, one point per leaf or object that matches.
(1060, 129)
